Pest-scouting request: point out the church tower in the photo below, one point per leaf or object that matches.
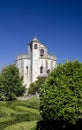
(37, 62)
(35, 58)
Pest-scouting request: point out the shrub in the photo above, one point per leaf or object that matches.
(31, 125)
(6, 121)
(33, 103)
(61, 95)
(29, 113)
(13, 112)
(11, 83)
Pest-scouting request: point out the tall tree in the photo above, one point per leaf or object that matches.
(11, 83)
(35, 87)
(61, 96)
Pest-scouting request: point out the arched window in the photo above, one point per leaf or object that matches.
(41, 69)
(41, 52)
(35, 46)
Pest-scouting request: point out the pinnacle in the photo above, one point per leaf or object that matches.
(35, 39)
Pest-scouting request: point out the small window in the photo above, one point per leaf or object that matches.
(35, 46)
(41, 69)
(27, 69)
(41, 52)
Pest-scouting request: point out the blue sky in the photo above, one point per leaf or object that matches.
(56, 23)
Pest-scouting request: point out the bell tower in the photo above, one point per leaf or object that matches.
(35, 58)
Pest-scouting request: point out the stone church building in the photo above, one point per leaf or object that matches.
(37, 62)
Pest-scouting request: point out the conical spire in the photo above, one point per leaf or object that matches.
(35, 39)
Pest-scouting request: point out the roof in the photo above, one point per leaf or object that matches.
(35, 40)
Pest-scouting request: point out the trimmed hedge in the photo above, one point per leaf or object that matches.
(31, 125)
(6, 111)
(16, 118)
(13, 112)
(31, 103)
(6, 121)
(33, 114)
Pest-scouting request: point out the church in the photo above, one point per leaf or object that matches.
(37, 62)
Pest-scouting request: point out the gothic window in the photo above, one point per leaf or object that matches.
(41, 69)
(35, 46)
(41, 52)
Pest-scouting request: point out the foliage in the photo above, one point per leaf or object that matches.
(61, 96)
(13, 112)
(31, 125)
(11, 83)
(6, 121)
(30, 103)
(33, 103)
(34, 87)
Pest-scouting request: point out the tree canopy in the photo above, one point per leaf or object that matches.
(11, 83)
(61, 95)
(35, 87)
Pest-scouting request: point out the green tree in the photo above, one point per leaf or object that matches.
(11, 83)
(35, 87)
(61, 96)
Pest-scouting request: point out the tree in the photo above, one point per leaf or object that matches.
(35, 87)
(11, 83)
(61, 95)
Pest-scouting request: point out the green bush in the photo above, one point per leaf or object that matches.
(61, 95)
